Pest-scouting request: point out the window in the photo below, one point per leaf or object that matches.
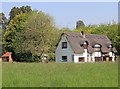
(97, 45)
(64, 45)
(110, 47)
(97, 48)
(64, 58)
(85, 45)
(81, 59)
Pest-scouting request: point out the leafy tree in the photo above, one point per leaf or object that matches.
(38, 35)
(32, 33)
(3, 21)
(15, 25)
(16, 11)
(25, 9)
(80, 24)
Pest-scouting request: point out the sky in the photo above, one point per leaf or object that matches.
(66, 14)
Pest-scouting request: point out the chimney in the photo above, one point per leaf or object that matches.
(82, 33)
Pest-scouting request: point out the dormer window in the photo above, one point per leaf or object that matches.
(97, 47)
(85, 44)
(110, 47)
(64, 45)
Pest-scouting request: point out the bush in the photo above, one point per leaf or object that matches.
(23, 57)
(36, 58)
(51, 56)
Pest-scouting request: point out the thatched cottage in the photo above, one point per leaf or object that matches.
(78, 47)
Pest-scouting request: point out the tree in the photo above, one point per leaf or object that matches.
(37, 37)
(80, 24)
(15, 25)
(3, 21)
(31, 34)
(16, 11)
(25, 9)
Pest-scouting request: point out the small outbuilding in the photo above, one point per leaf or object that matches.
(7, 57)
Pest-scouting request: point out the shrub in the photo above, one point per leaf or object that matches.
(36, 58)
(51, 56)
(23, 57)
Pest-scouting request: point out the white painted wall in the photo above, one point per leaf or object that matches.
(89, 58)
(93, 57)
(85, 54)
(63, 52)
(110, 54)
(76, 57)
(97, 54)
(113, 57)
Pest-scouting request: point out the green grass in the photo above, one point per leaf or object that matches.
(60, 75)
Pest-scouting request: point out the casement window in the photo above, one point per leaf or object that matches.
(64, 58)
(64, 45)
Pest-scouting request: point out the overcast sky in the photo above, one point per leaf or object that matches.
(67, 13)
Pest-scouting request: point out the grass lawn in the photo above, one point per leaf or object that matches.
(60, 75)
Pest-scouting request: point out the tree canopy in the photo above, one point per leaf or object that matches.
(16, 11)
(3, 21)
(79, 24)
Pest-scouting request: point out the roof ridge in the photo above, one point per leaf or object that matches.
(85, 34)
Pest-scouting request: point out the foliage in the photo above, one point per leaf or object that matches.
(37, 34)
(51, 56)
(15, 25)
(23, 57)
(60, 75)
(34, 32)
(16, 11)
(3, 21)
(80, 24)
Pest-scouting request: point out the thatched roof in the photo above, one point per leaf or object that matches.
(76, 40)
